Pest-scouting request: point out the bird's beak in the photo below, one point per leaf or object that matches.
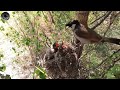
(66, 27)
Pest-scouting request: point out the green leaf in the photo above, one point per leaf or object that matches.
(6, 34)
(26, 41)
(38, 13)
(40, 72)
(7, 77)
(38, 45)
(14, 49)
(3, 20)
(3, 68)
(2, 28)
(1, 56)
(37, 71)
(40, 34)
(11, 28)
(13, 12)
(42, 75)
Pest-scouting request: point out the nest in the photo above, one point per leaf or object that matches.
(62, 64)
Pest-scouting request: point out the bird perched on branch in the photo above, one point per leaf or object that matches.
(86, 35)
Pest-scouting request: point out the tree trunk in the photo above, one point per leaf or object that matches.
(82, 16)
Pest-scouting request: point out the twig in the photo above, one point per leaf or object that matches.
(90, 50)
(103, 74)
(101, 20)
(46, 37)
(98, 18)
(107, 29)
(51, 17)
(31, 53)
(28, 20)
(112, 18)
(46, 19)
(105, 60)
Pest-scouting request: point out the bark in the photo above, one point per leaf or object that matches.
(82, 16)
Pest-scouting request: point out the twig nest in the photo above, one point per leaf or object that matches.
(62, 64)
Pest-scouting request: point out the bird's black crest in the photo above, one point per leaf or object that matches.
(73, 22)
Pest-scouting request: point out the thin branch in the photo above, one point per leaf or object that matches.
(46, 17)
(98, 18)
(47, 38)
(101, 20)
(112, 18)
(33, 35)
(105, 60)
(90, 50)
(107, 29)
(28, 20)
(25, 35)
(51, 17)
(112, 65)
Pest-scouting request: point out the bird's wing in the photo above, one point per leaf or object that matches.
(93, 37)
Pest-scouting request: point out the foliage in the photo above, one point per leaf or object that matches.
(5, 76)
(1, 56)
(40, 72)
(3, 68)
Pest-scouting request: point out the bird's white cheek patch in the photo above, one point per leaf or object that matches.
(73, 26)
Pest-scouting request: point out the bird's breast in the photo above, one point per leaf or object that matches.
(82, 40)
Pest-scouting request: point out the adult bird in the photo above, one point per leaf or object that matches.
(86, 35)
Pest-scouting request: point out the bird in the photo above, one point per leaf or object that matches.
(48, 53)
(55, 46)
(88, 36)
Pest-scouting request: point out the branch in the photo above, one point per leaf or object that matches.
(112, 65)
(29, 20)
(101, 20)
(107, 29)
(90, 50)
(51, 17)
(82, 17)
(47, 38)
(48, 18)
(112, 18)
(105, 60)
(98, 18)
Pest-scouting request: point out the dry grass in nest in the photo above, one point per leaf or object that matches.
(63, 64)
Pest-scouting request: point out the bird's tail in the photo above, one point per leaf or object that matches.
(112, 40)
